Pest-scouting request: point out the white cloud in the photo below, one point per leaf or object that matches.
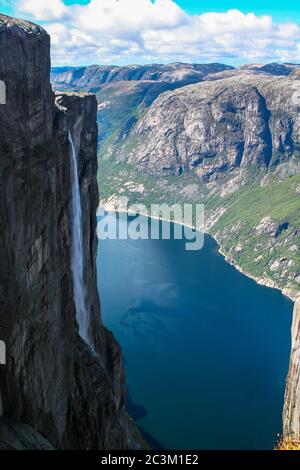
(127, 31)
(130, 15)
(41, 10)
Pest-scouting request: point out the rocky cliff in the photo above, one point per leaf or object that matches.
(222, 128)
(53, 384)
(123, 93)
(291, 413)
(231, 142)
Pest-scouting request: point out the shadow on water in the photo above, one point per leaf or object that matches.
(204, 346)
(138, 412)
(153, 443)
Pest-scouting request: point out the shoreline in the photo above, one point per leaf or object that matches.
(123, 211)
(261, 281)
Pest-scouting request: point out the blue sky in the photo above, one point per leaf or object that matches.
(269, 7)
(143, 31)
(274, 8)
(279, 10)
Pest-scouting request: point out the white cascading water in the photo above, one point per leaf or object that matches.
(79, 289)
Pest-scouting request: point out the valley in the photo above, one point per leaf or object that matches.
(166, 333)
(230, 141)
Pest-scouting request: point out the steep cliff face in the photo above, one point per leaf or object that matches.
(52, 382)
(291, 412)
(221, 128)
(123, 93)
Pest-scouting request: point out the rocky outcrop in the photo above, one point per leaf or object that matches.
(21, 437)
(221, 129)
(52, 382)
(291, 413)
(272, 69)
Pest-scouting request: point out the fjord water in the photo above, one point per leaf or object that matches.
(206, 349)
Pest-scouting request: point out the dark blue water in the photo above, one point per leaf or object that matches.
(206, 348)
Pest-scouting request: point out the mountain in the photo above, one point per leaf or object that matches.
(229, 138)
(272, 69)
(55, 390)
(94, 77)
(220, 130)
(125, 92)
(230, 142)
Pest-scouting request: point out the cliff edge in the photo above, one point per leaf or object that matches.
(291, 412)
(53, 385)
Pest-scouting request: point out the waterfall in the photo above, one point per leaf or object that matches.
(77, 254)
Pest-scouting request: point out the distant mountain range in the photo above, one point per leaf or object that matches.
(93, 77)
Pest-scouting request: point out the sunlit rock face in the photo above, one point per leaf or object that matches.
(291, 413)
(235, 124)
(52, 382)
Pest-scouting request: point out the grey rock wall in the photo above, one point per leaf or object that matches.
(52, 382)
(221, 129)
(291, 412)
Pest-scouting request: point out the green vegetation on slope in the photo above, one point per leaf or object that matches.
(259, 226)
(120, 104)
(260, 230)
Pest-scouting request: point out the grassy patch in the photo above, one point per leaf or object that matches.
(257, 254)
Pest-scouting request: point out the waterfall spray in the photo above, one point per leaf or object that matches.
(77, 254)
